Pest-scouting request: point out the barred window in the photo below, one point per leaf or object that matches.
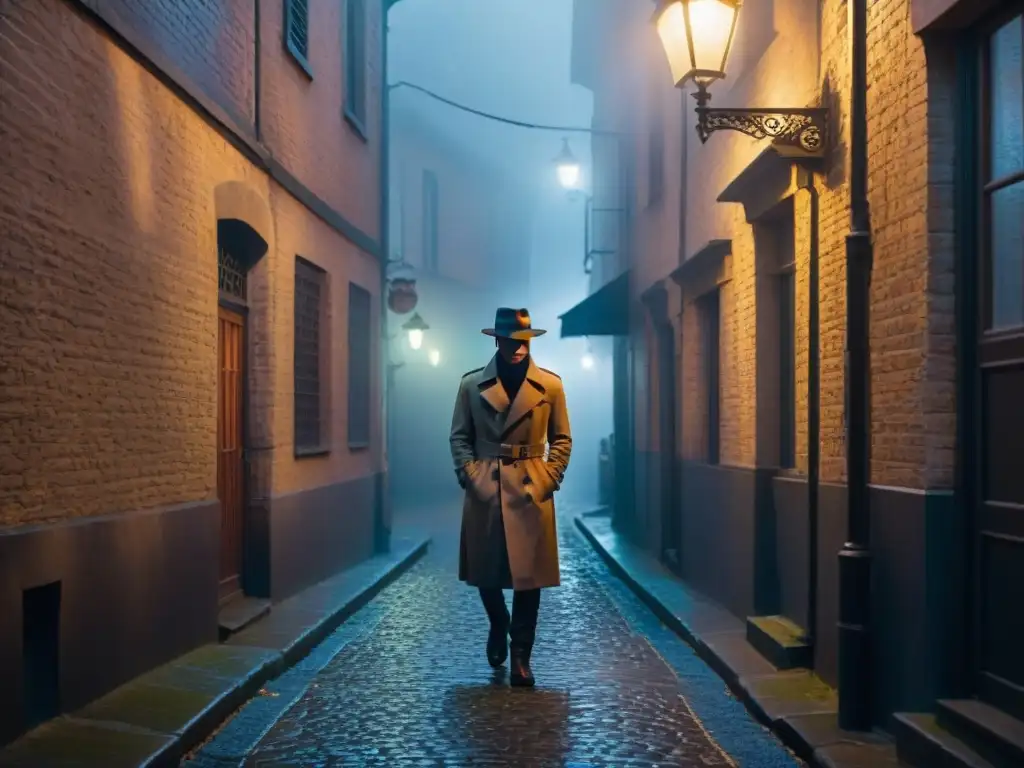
(296, 30)
(360, 362)
(310, 296)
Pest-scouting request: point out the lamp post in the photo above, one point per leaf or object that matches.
(697, 36)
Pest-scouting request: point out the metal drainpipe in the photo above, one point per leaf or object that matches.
(855, 557)
(256, 74)
(382, 537)
(813, 412)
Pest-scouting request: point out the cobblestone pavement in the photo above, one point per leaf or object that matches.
(405, 682)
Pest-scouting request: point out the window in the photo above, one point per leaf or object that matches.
(360, 363)
(708, 308)
(655, 166)
(430, 221)
(310, 296)
(787, 369)
(296, 31)
(355, 65)
(1004, 177)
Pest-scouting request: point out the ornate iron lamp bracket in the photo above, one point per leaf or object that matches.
(794, 132)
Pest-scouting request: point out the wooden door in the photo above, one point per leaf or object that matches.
(999, 459)
(230, 414)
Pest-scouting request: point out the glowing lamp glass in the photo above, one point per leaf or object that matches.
(435, 357)
(697, 36)
(415, 338)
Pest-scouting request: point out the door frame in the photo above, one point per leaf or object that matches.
(970, 259)
(245, 565)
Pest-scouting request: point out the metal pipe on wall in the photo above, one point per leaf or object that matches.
(855, 556)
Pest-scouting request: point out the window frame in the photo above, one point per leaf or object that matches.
(357, 411)
(355, 64)
(290, 15)
(710, 315)
(989, 185)
(431, 221)
(321, 445)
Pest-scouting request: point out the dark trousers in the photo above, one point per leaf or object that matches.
(522, 627)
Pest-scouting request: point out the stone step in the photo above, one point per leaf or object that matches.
(922, 743)
(780, 641)
(991, 732)
(239, 613)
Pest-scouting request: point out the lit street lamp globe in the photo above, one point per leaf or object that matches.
(567, 167)
(415, 326)
(435, 357)
(697, 36)
(587, 361)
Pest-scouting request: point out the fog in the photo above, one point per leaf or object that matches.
(508, 234)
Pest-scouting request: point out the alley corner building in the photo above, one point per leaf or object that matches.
(736, 404)
(190, 297)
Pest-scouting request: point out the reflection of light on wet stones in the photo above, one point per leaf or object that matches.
(412, 686)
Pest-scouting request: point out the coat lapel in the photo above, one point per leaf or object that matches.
(529, 395)
(491, 389)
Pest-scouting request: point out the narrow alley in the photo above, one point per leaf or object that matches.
(405, 682)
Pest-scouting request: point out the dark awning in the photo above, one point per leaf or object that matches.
(603, 313)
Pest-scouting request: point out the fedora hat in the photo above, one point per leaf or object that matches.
(513, 324)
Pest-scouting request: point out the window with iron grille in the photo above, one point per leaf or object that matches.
(430, 221)
(360, 363)
(355, 64)
(296, 31)
(310, 296)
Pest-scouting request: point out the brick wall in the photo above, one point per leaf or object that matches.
(109, 292)
(213, 43)
(302, 118)
(910, 167)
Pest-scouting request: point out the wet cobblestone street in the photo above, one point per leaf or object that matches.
(405, 682)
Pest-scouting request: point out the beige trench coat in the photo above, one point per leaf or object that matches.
(511, 497)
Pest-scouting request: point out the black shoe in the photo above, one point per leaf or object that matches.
(497, 646)
(520, 674)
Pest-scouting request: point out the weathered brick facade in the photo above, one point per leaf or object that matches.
(725, 190)
(129, 131)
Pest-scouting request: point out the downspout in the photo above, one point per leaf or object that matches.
(382, 532)
(855, 557)
(813, 412)
(256, 75)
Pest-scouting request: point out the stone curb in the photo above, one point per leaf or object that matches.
(238, 670)
(852, 756)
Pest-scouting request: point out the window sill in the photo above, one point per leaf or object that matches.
(311, 452)
(358, 445)
(357, 125)
(298, 58)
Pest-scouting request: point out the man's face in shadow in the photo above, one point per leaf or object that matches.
(512, 350)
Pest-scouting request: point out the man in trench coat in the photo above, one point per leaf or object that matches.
(510, 442)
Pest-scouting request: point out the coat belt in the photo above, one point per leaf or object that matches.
(485, 450)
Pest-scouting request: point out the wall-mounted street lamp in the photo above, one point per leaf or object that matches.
(697, 36)
(415, 326)
(567, 167)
